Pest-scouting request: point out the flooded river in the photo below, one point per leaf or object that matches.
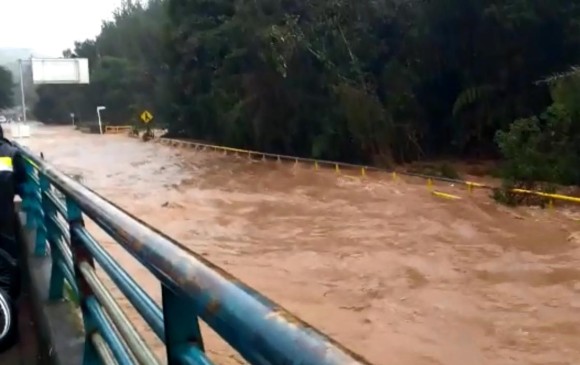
(392, 272)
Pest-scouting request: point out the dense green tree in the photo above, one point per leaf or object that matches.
(127, 67)
(367, 81)
(546, 147)
(360, 80)
(6, 87)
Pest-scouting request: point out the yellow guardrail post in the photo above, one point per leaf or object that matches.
(363, 172)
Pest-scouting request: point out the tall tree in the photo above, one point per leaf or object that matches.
(365, 81)
(6, 87)
(127, 66)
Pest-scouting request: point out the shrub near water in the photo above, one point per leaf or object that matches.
(539, 151)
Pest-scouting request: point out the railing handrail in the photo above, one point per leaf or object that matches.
(260, 330)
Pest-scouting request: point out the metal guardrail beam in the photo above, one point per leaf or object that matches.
(364, 168)
(317, 162)
(114, 129)
(192, 287)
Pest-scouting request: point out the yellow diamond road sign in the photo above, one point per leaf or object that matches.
(146, 117)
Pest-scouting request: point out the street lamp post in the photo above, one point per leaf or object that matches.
(99, 108)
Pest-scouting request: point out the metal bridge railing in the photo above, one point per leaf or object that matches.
(192, 288)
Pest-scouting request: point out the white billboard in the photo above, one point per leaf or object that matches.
(60, 70)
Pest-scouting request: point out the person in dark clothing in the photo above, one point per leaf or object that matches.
(12, 176)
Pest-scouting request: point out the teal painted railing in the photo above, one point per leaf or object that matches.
(193, 289)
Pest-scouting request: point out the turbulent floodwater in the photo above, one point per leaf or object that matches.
(382, 266)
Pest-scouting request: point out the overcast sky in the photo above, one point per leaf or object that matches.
(50, 26)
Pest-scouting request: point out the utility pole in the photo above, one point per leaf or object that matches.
(22, 92)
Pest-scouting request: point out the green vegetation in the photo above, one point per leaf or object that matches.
(6, 83)
(378, 82)
(128, 67)
(9, 58)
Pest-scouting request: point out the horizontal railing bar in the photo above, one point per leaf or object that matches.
(54, 200)
(103, 350)
(149, 310)
(68, 276)
(109, 335)
(60, 224)
(123, 342)
(66, 264)
(124, 241)
(61, 244)
(34, 177)
(36, 194)
(227, 305)
(66, 259)
(134, 341)
(62, 231)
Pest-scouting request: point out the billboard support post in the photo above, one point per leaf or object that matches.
(23, 100)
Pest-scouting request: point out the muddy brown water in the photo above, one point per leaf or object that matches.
(385, 268)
